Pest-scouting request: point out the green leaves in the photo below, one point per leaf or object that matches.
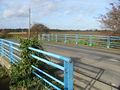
(21, 74)
(3, 73)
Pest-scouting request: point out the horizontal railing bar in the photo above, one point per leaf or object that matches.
(115, 42)
(6, 55)
(48, 62)
(48, 75)
(11, 42)
(14, 62)
(46, 81)
(115, 45)
(6, 50)
(6, 44)
(115, 39)
(17, 49)
(51, 54)
(114, 36)
(16, 56)
(99, 38)
(14, 59)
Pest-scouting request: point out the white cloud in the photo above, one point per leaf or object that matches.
(38, 1)
(71, 9)
(67, 12)
(11, 13)
(42, 7)
(8, 13)
(85, 13)
(79, 17)
(46, 7)
(51, 7)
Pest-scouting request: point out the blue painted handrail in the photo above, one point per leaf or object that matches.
(68, 68)
(91, 40)
(7, 51)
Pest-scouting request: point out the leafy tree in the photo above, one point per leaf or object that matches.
(38, 29)
(111, 20)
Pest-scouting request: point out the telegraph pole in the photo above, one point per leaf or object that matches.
(29, 23)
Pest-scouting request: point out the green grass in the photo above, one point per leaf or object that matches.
(82, 41)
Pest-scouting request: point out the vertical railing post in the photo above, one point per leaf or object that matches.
(39, 36)
(2, 48)
(56, 37)
(51, 36)
(68, 75)
(48, 37)
(65, 75)
(64, 38)
(44, 36)
(10, 52)
(76, 39)
(90, 40)
(108, 42)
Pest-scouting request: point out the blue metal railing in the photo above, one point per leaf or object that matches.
(90, 40)
(9, 50)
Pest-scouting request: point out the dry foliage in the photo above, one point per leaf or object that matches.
(111, 20)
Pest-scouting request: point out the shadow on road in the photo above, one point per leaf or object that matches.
(85, 75)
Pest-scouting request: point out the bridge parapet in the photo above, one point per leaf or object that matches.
(90, 40)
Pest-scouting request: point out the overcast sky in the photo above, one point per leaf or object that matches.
(61, 14)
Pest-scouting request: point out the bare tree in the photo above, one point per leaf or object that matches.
(38, 29)
(111, 20)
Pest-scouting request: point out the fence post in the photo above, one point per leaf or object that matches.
(2, 48)
(48, 37)
(39, 36)
(56, 37)
(90, 40)
(11, 51)
(68, 75)
(76, 38)
(108, 42)
(44, 36)
(64, 38)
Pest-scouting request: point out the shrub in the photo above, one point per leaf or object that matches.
(3, 73)
(21, 74)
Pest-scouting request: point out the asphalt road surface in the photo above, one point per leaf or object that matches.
(99, 64)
